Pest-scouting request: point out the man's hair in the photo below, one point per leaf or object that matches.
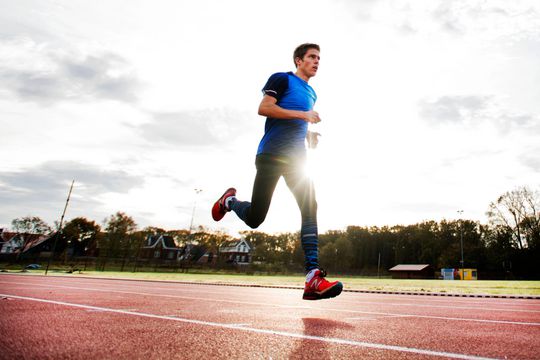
(301, 50)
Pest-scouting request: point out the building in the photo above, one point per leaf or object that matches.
(412, 271)
(236, 252)
(15, 244)
(160, 247)
(10, 242)
(468, 274)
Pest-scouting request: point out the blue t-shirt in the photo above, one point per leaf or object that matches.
(286, 137)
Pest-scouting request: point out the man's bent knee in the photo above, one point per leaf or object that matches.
(254, 223)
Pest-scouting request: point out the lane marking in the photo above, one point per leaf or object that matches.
(454, 296)
(446, 306)
(262, 331)
(462, 301)
(480, 300)
(295, 306)
(347, 301)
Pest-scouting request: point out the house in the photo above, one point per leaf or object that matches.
(197, 254)
(236, 251)
(39, 246)
(412, 271)
(160, 247)
(12, 243)
(24, 244)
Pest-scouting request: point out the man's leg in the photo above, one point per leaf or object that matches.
(316, 287)
(268, 173)
(304, 193)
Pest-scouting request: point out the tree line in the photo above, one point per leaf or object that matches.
(508, 246)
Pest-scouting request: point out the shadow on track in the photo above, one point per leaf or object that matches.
(313, 349)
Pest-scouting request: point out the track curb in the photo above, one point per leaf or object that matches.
(418, 293)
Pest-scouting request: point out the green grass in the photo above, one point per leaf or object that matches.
(506, 287)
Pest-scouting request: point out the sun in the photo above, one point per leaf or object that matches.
(311, 169)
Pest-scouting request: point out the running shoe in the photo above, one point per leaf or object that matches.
(220, 208)
(318, 287)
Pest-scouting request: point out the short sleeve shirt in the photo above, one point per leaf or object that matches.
(286, 136)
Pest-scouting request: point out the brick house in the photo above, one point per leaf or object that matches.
(160, 247)
(236, 251)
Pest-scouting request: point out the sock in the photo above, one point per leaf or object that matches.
(228, 202)
(310, 275)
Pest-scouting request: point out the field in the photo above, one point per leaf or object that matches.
(491, 287)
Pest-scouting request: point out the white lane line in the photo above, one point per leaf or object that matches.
(479, 302)
(262, 331)
(457, 303)
(444, 306)
(344, 297)
(462, 305)
(463, 300)
(293, 306)
(375, 317)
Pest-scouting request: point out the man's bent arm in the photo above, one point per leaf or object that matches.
(269, 108)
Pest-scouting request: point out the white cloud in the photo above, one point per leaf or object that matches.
(48, 75)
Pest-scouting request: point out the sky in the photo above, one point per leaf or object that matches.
(428, 107)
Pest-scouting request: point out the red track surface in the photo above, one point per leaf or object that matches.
(81, 318)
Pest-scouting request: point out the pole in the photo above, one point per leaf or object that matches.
(59, 228)
(197, 191)
(460, 212)
(379, 266)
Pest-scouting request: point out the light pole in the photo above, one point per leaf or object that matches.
(460, 212)
(197, 191)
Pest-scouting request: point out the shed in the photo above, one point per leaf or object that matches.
(412, 271)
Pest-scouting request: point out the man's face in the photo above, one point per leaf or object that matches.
(309, 64)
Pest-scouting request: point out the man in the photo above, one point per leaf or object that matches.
(288, 105)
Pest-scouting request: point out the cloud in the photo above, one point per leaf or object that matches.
(453, 109)
(42, 190)
(474, 110)
(37, 73)
(532, 160)
(515, 20)
(196, 128)
(49, 182)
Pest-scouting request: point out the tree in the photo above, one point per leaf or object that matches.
(30, 225)
(119, 227)
(519, 211)
(81, 234)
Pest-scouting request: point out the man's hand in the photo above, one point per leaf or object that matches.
(312, 117)
(312, 139)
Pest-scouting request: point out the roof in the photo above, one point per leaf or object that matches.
(27, 240)
(6, 235)
(36, 240)
(230, 246)
(409, 267)
(167, 242)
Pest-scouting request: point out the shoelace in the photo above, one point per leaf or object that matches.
(322, 273)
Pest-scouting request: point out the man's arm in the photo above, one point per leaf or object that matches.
(269, 108)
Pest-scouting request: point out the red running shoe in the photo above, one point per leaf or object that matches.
(220, 209)
(319, 288)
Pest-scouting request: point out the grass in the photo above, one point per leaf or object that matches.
(493, 287)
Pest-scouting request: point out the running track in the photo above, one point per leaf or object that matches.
(82, 318)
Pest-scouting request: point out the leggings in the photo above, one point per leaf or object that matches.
(269, 169)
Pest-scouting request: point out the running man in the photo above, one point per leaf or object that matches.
(288, 106)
